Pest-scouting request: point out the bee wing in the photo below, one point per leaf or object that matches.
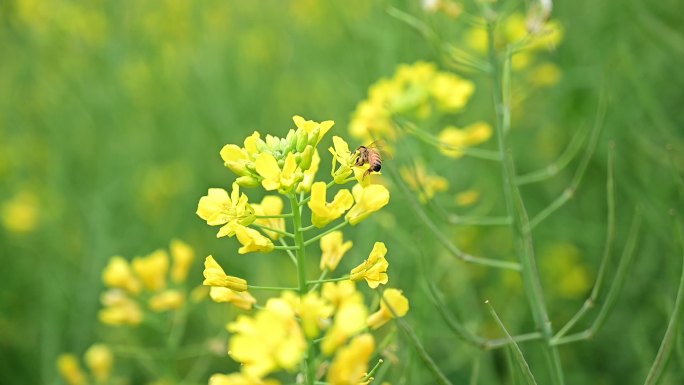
(381, 146)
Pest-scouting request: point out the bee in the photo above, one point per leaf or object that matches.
(369, 155)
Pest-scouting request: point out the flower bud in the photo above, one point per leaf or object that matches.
(247, 181)
(306, 157)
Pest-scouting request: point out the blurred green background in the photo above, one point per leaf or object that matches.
(112, 115)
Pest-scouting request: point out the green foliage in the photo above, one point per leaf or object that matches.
(112, 115)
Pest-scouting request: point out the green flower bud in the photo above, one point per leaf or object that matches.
(247, 181)
(302, 140)
(313, 136)
(306, 157)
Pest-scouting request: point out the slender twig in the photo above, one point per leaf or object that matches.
(590, 302)
(440, 378)
(321, 235)
(569, 191)
(278, 231)
(559, 164)
(288, 215)
(666, 345)
(288, 250)
(479, 221)
(517, 353)
(444, 239)
(345, 278)
(271, 288)
(615, 288)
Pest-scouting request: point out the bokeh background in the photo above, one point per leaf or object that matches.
(112, 115)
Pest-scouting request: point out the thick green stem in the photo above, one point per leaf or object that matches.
(516, 207)
(300, 252)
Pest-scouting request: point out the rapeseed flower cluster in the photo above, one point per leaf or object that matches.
(417, 92)
(531, 38)
(99, 360)
(155, 282)
(320, 329)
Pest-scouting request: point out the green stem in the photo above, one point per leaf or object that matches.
(308, 368)
(285, 247)
(274, 216)
(289, 251)
(267, 228)
(272, 288)
(345, 278)
(516, 207)
(323, 234)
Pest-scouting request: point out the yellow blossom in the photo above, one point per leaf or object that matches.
(239, 379)
(351, 362)
(426, 185)
(546, 74)
(311, 127)
(271, 205)
(313, 311)
(238, 159)
(339, 293)
(450, 91)
(167, 300)
(69, 368)
(350, 318)
(333, 249)
(118, 274)
(467, 198)
(346, 158)
(182, 256)
(323, 212)
(252, 240)
(454, 140)
(390, 298)
(215, 276)
(20, 213)
(99, 359)
(275, 178)
(119, 309)
(368, 200)
(373, 269)
(309, 174)
(270, 340)
(152, 269)
(242, 300)
(218, 208)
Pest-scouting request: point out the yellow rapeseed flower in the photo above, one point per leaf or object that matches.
(323, 212)
(275, 178)
(350, 319)
(241, 300)
(454, 140)
(390, 298)
(152, 269)
(20, 213)
(169, 299)
(271, 205)
(311, 128)
(118, 274)
(269, 341)
(218, 208)
(252, 240)
(368, 200)
(546, 74)
(450, 92)
(182, 255)
(467, 198)
(239, 379)
(333, 249)
(239, 159)
(373, 269)
(215, 276)
(351, 362)
(70, 370)
(314, 311)
(119, 309)
(426, 185)
(346, 159)
(339, 293)
(99, 359)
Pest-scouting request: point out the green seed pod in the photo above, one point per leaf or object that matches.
(291, 141)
